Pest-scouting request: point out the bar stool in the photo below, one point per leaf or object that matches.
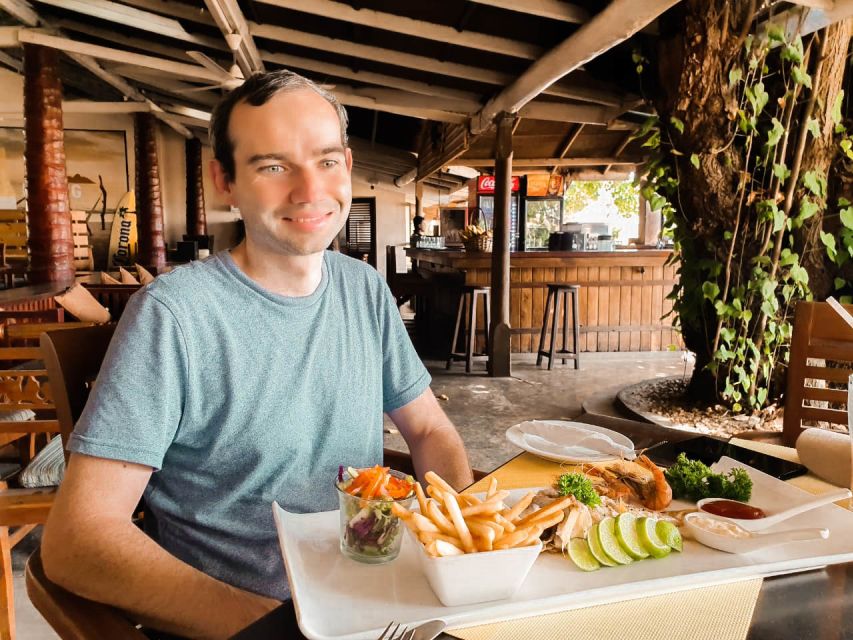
(468, 309)
(555, 292)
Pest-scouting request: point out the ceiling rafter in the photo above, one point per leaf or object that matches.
(421, 63)
(551, 9)
(560, 162)
(231, 22)
(130, 17)
(21, 11)
(614, 24)
(411, 27)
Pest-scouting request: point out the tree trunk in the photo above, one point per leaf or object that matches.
(819, 156)
(693, 87)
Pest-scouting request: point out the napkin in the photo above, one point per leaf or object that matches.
(828, 455)
(570, 440)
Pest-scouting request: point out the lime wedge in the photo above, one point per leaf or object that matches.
(581, 555)
(649, 538)
(669, 534)
(610, 544)
(595, 546)
(626, 533)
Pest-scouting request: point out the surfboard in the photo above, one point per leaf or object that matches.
(124, 241)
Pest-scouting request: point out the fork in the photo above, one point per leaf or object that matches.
(404, 634)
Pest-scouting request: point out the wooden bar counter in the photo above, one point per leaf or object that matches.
(622, 296)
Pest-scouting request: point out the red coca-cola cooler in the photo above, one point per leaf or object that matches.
(481, 196)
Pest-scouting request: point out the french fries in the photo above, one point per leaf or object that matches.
(451, 523)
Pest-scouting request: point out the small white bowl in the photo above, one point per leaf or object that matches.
(476, 577)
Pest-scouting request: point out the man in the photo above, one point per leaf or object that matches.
(240, 380)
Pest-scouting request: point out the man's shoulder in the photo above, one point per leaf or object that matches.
(347, 266)
(187, 281)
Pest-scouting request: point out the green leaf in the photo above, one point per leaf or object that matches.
(678, 124)
(794, 51)
(815, 182)
(801, 76)
(735, 76)
(813, 127)
(761, 395)
(836, 108)
(694, 160)
(807, 210)
(844, 202)
(727, 235)
(829, 242)
(776, 33)
(768, 289)
(778, 219)
(775, 134)
(781, 172)
(847, 217)
(710, 290)
(840, 283)
(799, 275)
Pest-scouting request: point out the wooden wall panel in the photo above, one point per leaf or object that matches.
(622, 300)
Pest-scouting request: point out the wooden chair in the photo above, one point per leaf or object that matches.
(26, 334)
(819, 334)
(21, 509)
(113, 296)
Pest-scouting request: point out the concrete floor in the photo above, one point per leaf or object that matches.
(482, 408)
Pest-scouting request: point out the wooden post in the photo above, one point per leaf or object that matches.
(499, 349)
(49, 217)
(419, 198)
(149, 208)
(196, 216)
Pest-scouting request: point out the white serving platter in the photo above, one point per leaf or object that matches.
(553, 436)
(339, 599)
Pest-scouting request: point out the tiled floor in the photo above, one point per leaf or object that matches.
(482, 408)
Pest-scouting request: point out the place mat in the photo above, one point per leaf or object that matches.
(722, 612)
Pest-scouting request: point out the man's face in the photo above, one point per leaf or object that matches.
(292, 179)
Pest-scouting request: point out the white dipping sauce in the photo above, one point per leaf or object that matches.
(720, 527)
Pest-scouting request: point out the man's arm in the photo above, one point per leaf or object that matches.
(92, 548)
(433, 440)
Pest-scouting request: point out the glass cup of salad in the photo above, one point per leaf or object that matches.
(369, 531)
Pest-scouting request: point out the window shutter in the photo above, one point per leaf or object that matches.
(361, 229)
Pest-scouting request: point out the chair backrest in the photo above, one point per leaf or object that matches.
(113, 296)
(24, 334)
(73, 358)
(819, 334)
(24, 386)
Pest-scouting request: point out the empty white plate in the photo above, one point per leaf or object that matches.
(563, 441)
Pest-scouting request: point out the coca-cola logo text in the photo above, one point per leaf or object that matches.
(486, 184)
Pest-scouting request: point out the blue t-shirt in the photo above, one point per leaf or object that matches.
(237, 396)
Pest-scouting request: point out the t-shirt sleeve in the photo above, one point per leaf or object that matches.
(404, 376)
(135, 407)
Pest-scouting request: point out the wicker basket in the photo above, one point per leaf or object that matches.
(482, 243)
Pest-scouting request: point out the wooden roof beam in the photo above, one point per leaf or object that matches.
(620, 148)
(421, 63)
(128, 16)
(368, 77)
(231, 22)
(560, 162)
(615, 23)
(411, 27)
(67, 45)
(811, 16)
(22, 12)
(551, 9)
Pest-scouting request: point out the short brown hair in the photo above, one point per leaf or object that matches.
(258, 90)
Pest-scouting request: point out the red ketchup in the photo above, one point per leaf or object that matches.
(732, 509)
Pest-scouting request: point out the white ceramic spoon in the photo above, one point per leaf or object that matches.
(775, 517)
(750, 542)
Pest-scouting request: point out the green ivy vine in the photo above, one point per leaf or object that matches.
(753, 277)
